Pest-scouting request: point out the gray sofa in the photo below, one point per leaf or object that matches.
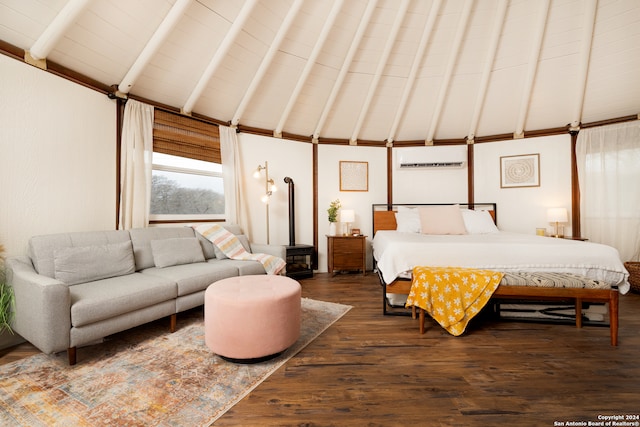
(74, 289)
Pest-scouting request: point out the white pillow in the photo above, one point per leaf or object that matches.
(478, 222)
(446, 219)
(407, 220)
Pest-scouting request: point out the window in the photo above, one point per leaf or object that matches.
(187, 182)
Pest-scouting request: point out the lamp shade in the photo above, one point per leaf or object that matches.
(557, 215)
(347, 215)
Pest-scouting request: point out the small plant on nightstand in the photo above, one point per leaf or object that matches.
(334, 207)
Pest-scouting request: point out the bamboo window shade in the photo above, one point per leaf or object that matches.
(184, 136)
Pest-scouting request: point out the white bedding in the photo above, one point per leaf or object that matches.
(398, 252)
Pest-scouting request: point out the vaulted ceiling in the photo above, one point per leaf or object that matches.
(352, 70)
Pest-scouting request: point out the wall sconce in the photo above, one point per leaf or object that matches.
(347, 216)
(269, 189)
(557, 215)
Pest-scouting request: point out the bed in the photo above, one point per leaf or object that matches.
(401, 243)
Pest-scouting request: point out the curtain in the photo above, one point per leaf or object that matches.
(608, 160)
(135, 165)
(230, 174)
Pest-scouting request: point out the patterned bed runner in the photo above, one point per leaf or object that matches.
(552, 280)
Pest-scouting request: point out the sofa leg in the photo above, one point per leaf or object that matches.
(71, 353)
(173, 321)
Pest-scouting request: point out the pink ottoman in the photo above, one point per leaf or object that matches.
(252, 318)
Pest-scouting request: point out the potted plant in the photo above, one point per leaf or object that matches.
(6, 299)
(334, 207)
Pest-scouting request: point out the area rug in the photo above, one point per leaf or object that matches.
(143, 377)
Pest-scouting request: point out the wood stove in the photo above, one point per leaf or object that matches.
(299, 257)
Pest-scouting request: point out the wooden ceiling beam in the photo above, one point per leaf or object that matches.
(417, 60)
(448, 73)
(153, 44)
(311, 62)
(266, 61)
(56, 29)
(373, 86)
(532, 69)
(498, 25)
(346, 64)
(585, 55)
(219, 55)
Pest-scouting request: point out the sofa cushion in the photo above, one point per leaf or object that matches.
(176, 251)
(107, 298)
(246, 268)
(141, 239)
(196, 277)
(41, 248)
(82, 264)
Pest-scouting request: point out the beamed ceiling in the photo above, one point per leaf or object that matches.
(361, 71)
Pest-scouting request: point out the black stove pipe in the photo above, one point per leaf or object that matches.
(292, 216)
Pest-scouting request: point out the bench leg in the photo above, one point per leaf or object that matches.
(613, 317)
(421, 320)
(578, 312)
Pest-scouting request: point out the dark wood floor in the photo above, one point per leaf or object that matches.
(374, 370)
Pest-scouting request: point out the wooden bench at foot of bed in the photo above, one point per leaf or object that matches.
(557, 287)
(578, 295)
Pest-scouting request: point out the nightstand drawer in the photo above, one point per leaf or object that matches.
(347, 247)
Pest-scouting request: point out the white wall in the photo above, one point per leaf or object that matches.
(524, 209)
(329, 157)
(295, 159)
(446, 185)
(57, 161)
(285, 158)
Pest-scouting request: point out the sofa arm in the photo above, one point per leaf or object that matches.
(275, 250)
(43, 306)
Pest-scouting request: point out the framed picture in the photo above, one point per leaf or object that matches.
(520, 171)
(354, 176)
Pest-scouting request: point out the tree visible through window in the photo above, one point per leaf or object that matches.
(181, 186)
(187, 181)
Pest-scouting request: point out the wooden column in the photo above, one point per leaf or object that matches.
(314, 260)
(470, 187)
(575, 188)
(389, 177)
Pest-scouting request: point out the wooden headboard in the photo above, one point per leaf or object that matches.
(384, 217)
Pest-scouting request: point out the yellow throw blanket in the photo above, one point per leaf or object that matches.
(452, 295)
(229, 244)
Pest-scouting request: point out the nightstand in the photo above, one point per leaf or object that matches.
(347, 253)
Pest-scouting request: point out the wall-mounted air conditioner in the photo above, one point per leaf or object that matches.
(432, 157)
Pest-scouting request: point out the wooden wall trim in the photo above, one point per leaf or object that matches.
(314, 155)
(119, 121)
(64, 72)
(470, 175)
(575, 189)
